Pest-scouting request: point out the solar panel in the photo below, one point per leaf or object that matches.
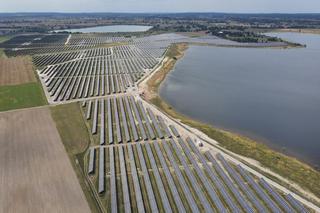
(124, 182)
(143, 133)
(271, 205)
(108, 84)
(169, 178)
(132, 123)
(164, 126)
(144, 114)
(113, 186)
(101, 170)
(136, 183)
(116, 115)
(102, 84)
(92, 84)
(110, 128)
(95, 118)
(112, 84)
(163, 195)
(174, 131)
(97, 85)
(91, 160)
(155, 123)
(245, 189)
(188, 194)
(279, 200)
(102, 134)
(229, 184)
(84, 103)
(218, 184)
(124, 121)
(296, 204)
(89, 110)
(204, 202)
(203, 178)
(152, 200)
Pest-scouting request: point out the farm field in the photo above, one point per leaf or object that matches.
(21, 96)
(19, 87)
(16, 70)
(2, 54)
(32, 162)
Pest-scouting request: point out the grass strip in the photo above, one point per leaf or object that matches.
(21, 96)
(75, 138)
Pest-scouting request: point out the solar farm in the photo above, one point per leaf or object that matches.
(139, 159)
(143, 160)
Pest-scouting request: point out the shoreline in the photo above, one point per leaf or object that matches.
(293, 169)
(257, 139)
(297, 30)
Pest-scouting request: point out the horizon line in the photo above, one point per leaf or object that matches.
(177, 12)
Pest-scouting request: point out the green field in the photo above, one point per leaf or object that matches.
(4, 38)
(75, 137)
(2, 54)
(21, 96)
(71, 127)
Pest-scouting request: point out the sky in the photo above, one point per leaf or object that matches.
(238, 6)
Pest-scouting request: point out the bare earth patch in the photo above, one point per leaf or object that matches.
(35, 172)
(16, 70)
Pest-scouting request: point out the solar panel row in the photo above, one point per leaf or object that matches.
(101, 187)
(113, 186)
(136, 183)
(241, 200)
(220, 188)
(213, 195)
(124, 181)
(246, 190)
(266, 199)
(191, 201)
(152, 199)
(160, 186)
(200, 194)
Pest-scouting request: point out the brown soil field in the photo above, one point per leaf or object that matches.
(16, 70)
(35, 172)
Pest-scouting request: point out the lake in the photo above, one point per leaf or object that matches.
(270, 95)
(110, 29)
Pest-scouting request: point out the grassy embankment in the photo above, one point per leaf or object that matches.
(75, 137)
(288, 167)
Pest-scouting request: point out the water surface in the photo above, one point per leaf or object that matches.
(110, 29)
(272, 95)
